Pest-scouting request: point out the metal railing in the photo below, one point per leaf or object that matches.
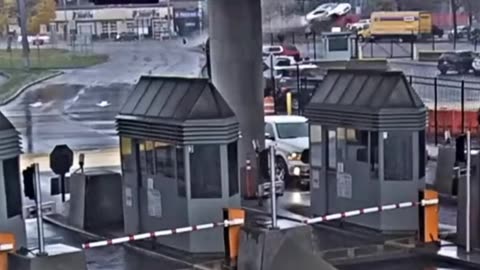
(440, 95)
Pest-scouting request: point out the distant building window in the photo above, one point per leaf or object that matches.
(339, 44)
(104, 27)
(11, 174)
(205, 177)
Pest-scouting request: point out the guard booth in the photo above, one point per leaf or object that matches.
(179, 160)
(367, 135)
(337, 45)
(11, 220)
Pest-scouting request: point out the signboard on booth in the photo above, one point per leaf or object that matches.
(344, 185)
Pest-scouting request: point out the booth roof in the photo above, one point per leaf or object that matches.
(177, 99)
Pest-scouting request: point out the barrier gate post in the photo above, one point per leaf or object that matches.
(232, 235)
(429, 218)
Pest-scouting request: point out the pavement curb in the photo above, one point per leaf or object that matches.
(140, 250)
(30, 84)
(412, 63)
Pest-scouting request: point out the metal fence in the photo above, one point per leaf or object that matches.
(310, 43)
(453, 105)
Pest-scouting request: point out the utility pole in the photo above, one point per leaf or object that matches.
(169, 6)
(22, 19)
(453, 6)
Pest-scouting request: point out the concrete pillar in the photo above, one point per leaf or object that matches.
(235, 30)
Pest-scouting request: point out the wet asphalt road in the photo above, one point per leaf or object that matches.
(78, 108)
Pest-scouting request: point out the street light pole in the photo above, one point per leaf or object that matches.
(66, 20)
(22, 13)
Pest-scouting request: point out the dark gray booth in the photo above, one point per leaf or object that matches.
(11, 219)
(179, 160)
(367, 132)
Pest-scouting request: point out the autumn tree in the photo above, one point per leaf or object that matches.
(7, 11)
(42, 13)
(383, 5)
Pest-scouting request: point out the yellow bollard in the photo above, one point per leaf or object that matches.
(289, 103)
(7, 244)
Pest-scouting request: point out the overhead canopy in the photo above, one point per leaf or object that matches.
(9, 139)
(367, 99)
(182, 110)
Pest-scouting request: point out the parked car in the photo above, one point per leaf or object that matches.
(291, 50)
(462, 32)
(36, 40)
(328, 11)
(126, 36)
(460, 61)
(272, 49)
(476, 66)
(437, 31)
(290, 135)
(360, 25)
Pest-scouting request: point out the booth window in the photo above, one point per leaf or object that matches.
(339, 44)
(397, 156)
(142, 158)
(233, 188)
(357, 145)
(11, 174)
(205, 176)
(165, 159)
(374, 153)
(316, 145)
(422, 155)
(149, 158)
(332, 149)
(341, 145)
(180, 164)
(128, 157)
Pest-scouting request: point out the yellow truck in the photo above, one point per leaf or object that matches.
(405, 25)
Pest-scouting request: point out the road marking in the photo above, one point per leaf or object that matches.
(36, 104)
(103, 104)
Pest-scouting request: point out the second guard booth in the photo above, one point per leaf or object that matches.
(11, 217)
(179, 160)
(367, 132)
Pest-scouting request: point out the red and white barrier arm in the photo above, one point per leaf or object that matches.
(370, 210)
(121, 240)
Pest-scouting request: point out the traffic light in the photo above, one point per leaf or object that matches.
(28, 184)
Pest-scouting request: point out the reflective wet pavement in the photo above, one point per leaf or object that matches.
(111, 258)
(404, 264)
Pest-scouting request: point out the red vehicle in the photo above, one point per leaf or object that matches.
(290, 50)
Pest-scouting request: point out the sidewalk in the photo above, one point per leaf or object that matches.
(451, 253)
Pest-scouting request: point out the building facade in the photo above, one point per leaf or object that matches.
(107, 22)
